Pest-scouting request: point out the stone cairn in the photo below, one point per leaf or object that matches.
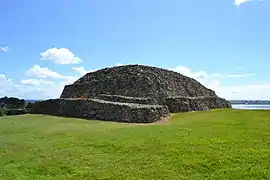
(131, 93)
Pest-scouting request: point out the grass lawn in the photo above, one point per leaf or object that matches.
(221, 144)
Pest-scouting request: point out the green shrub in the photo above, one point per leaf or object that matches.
(12, 112)
(2, 113)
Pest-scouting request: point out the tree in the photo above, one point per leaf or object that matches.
(29, 106)
(12, 103)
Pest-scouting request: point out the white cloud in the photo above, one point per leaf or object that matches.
(81, 70)
(4, 80)
(42, 89)
(232, 75)
(249, 92)
(39, 89)
(38, 92)
(239, 2)
(188, 72)
(3, 77)
(4, 49)
(60, 56)
(41, 72)
(36, 82)
(202, 74)
(118, 64)
(68, 81)
(44, 72)
(29, 92)
(212, 81)
(6, 86)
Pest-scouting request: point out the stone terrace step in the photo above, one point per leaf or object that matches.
(202, 103)
(101, 110)
(127, 99)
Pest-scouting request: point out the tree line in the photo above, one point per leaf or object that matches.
(12, 103)
(14, 106)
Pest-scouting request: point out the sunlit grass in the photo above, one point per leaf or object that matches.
(221, 144)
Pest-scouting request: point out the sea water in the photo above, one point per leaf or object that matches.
(251, 106)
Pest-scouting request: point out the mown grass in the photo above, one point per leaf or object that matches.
(222, 144)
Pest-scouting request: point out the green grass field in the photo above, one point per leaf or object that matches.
(221, 144)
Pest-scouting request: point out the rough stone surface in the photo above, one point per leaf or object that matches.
(131, 93)
(185, 104)
(101, 110)
(136, 81)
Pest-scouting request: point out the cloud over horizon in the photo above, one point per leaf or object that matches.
(36, 82)
(212, 81)
(44, 72)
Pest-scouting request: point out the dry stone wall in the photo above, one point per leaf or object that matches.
(95, 109)
(185, 104)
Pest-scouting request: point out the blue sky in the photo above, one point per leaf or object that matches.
(47, 44)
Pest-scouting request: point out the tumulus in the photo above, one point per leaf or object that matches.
(131, 93)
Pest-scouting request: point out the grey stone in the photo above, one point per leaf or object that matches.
(108, 111)
(131, 93)
(185, 104)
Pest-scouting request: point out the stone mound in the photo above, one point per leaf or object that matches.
(136, 81)
(131, 93)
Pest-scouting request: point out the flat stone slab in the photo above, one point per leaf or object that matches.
(127, 99)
